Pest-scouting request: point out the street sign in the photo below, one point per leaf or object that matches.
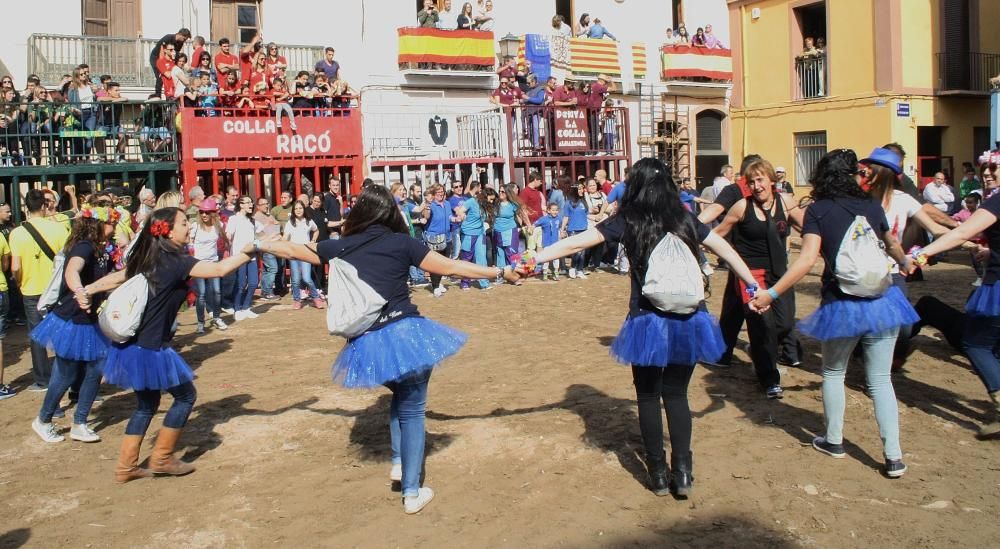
(903, 110)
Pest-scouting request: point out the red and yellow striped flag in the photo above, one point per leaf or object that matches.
(689, 61)
(639, 60)
(594, 56)
(452, 47)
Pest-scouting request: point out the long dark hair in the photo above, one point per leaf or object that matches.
(515, 199)
(376, 206)
(488, 211)
(87, 229)
(305, 213)
(651, 207)
(834, 177)
(882, 183)
(145, 255)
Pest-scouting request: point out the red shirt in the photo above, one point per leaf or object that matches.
(533, 200)
(246, 65)
(508, 96)
(165, 65)
(597, 92)
(273, 63)
(606, 187)
(228, 100)
(563, 94)
(196, 56)
(507, 72)
(224, 59)
(258, 78)
(582, 99)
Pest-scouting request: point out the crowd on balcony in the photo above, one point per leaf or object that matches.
(256, 81)
(703, 37)
(469, 16)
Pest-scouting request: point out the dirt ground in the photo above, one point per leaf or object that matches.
(533, 442)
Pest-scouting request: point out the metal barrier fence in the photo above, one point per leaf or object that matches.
(549, 131)
(126, 60)
(56, 133)
(812, 77)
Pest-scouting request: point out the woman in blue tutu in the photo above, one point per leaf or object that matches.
(981, 334)
(661, 347)
(843, 320)
(146, 363)
(401, 348)
(72, 333)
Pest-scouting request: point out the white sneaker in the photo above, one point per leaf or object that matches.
(47, 431)
(239, 315)
(227, 311)
(250, 314)
(413, 504)
(396, 473)
(219, 324)
(572, 273)
(200, 329)
(444, 289)
(439, 291)
(83, 433)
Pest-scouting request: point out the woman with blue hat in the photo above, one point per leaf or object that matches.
(982, 328)
(880, 177)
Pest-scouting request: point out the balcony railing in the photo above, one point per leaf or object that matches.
(126, 60)
(567, 131)
(967, 71)
(55, 133)
(397, 135)
(812, 75)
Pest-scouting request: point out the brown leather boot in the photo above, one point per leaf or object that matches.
(128, 460)
(991, 429)
(162, 461)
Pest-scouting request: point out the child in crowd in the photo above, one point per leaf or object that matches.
(208, 94)
(280, 104)
(550, 235)
(608, 126)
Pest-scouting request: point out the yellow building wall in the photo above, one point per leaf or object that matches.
(919, 41)
(767, 75)
(851, 46)
(989, 15)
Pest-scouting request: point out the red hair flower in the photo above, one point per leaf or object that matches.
(159, 228)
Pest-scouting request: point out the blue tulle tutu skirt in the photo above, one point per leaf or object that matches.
(400, 348)
(985, 301)
(70, 340)
(138, 368)
(855, 317)
(659, 340)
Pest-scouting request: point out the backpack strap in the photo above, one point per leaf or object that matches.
(42, 244)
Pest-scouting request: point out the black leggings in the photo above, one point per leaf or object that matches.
(671, 385)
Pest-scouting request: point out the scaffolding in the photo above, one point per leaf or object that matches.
(664, 131)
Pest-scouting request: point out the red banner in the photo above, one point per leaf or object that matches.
(680, 62)
(571, 130)
(241, 137)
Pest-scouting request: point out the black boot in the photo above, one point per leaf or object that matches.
(658, 476)
(682, 474)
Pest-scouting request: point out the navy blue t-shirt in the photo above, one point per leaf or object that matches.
(830, 219)
(168, 290)
(729, 196)
(95, 266)
(992, 235)
(383, 261)
(613, 229)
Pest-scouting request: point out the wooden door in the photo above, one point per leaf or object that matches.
(95, 18)
(126, 18)
(224, 21)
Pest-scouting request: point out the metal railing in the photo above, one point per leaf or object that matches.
(126, 60)
(400, 135)
(967, 71)
(555, 131)
(58, 133)
(480, 135)
(813, 78)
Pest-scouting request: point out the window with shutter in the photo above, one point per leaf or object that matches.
(709, 127)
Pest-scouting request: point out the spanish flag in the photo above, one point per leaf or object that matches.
(451, 47)
(687, 62)
(594, 56)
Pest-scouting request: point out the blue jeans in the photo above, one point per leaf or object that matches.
(149, 401)
(246, 283)
(877, 349)
(406, 427)
(579, 259)
(208, 293)
(270, 271)
(417, 275)
(302, 274)
(456, 244)
(64, 372)
(979, 341)
(41, 368)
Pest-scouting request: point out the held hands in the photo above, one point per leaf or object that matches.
(82, 297)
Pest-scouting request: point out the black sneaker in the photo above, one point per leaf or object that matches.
(894, 468)
(792, 363)
(775, 392)
(832, 450)
(6, 392)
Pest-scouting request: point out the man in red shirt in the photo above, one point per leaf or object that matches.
(226, 63)
(534, 201)
(603, 182)
(565, 95)
(506, 95)
(598, 93)
(165, 64)
(247, 55)
(508, 69)
(199, 46)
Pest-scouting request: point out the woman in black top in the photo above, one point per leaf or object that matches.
(661, 347)
(146, 363)
(760, 225)
(401, 347)
(317, 213)
(71, 332)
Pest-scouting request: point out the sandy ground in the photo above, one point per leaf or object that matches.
(533, 442)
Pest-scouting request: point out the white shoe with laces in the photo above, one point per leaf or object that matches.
(227, 311)
(250, 314)
(46, 431)
(572, 273)
(396, 473)
(219, 324)
(413, 504)
(439, 291)
(239, 315)
(83, 433)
